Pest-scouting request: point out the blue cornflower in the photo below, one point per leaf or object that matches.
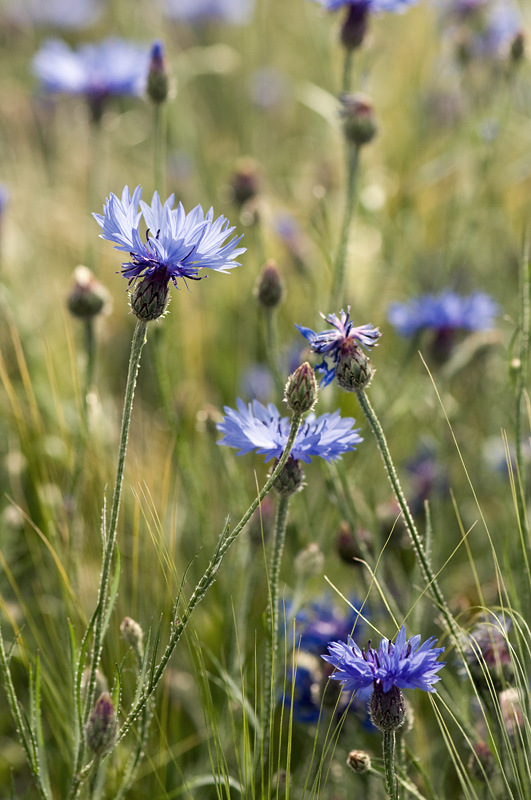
(98, 71)
(443, 313)
(234, 12)
(321, 621)
(334, 344)
(176, 244)
(404, 664)
(261, 428)
(368, 5)
(57, 13)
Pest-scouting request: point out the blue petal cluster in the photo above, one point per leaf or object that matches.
(331, 342)
(321, 621)
(233, 12)
(443, 312)
(112, 67)
(369, 5)
(261, 428)
(176, 244)
(405, 663)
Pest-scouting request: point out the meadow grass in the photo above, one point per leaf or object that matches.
(229, 699)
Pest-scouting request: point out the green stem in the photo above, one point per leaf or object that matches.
(428, 575)
(347, 70)
(139, 338)
(25, 735)
(206, 582)
(389, 764)
(272, 621)
(338, 285)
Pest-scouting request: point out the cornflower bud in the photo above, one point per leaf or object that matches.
(357, 113)
(387, 709)
(291, 479)
(245, 182)
(269, 289)
(133, 635)
(517, 51)
(158, 83)
(150, 297)
(88, 297)
(102, 725)
(354, 370)
(301, 390)
(354, 28)
(359, 761)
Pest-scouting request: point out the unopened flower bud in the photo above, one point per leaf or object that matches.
(101, 727)
(245, 182)
(309, 561)
(133, 635)
(301, 390)
(354, 370)
(357, 113)
(88, 297)
(269, 289)
(355, 27)
(150, 297)
(158, 83)
(359, 761)
(291, 479)
(387, 709)
(517, 50)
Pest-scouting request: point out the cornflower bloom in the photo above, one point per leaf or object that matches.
(233, 12)
(340, 347)
(404, 664)
(97, 71)
(175, 245)
(445, 314)
(261, 428)
(358, 11)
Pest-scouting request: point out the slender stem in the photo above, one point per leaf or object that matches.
(428, 575)
(26, 737)
(272, 621)
(206, 582)
(347, 70)
(338, 285)
(139, 338)
(389, 738)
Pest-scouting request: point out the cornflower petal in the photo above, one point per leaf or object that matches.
(446, 311)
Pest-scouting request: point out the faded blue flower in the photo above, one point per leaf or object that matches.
(97, 71)
(404, 664)
(319, 622)
(57, 13)
(233, 12)
(443, 313)
(175, 244)
(483, 28)
(368, 5)
(332, 343)
(261, 428)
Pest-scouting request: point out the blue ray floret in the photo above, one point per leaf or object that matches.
(111, 67)
(366, 6)
(175, 244)
(261, 428)
(331, 343)
(444, 312)
(405, 664)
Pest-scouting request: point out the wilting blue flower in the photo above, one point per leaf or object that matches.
(58, 13)
(331, 343)
(175, 245)
(261, 428)
(405, 664)
(98, 71)
(368, 5)
(234, 12)
(444, 312)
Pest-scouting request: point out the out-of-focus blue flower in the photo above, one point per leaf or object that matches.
(427, 478)
(302, 691)
(233, 12)
(331, 343)
(320, 622)
(368, 5)
(405, 664)
(4, 199)
(483, 28)
(97, 71)
(66, 14)
(261, 428)
(268, 87)
(444, 312)
(175, 245)
(257, 383)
